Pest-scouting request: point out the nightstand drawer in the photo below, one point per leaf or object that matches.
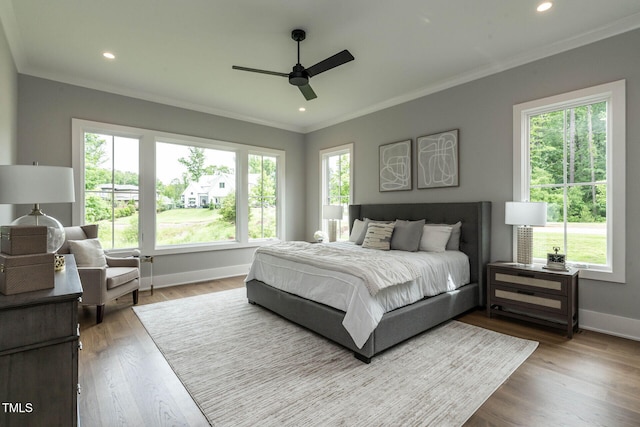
(515, 297)
(535, 282)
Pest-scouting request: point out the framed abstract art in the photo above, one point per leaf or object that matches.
(395, 166)
(437, 160)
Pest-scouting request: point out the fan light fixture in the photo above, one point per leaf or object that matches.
(299, 75)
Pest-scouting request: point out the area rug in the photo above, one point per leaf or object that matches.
(245, 366)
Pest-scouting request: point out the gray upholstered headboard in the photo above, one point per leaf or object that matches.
(475, 233)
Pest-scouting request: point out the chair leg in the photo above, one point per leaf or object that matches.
(135, 297)
(99, 313)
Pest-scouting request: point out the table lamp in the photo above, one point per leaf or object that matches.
(332, 213)
(24, 184)
(525, 215)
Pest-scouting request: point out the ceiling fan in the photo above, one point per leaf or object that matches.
(300, 76)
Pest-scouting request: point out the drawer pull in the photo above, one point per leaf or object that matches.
(520, 291)
(527, 275)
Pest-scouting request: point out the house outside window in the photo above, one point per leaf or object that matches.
(569, 152)
(336, 166)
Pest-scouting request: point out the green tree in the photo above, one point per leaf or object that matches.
(94, 158)
(228, 209)
(194, 163)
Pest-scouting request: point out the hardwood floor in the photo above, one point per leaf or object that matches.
(593, 379)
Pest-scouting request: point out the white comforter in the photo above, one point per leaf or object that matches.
(439, 272)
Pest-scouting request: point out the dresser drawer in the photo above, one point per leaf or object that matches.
(37, 324)
(538, 282)
(538, 301)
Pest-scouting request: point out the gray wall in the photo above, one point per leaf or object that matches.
(482, 111)
(8, 115)
(45, 110)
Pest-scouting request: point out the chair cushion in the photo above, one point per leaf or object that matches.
(88, 253)
(118, 276)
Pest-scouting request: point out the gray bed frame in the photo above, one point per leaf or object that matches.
(405, 322)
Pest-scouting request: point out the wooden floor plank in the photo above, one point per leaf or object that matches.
(593, 379)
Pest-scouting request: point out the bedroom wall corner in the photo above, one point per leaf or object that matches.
(8, 114)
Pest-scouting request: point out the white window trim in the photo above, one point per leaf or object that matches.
(147, 202)
(614, 93)
(333, 151)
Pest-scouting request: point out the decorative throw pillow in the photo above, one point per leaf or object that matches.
(406, 235)
(88, 253)
(435, 238)
(368, 221)
(378, 236)
(357, 230)
(454, 241)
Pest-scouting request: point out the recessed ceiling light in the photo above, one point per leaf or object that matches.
(302, 109)
(109, 55)
(542, 7)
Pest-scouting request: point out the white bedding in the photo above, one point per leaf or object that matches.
(440, 272)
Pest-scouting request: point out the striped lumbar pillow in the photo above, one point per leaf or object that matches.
(378, 236)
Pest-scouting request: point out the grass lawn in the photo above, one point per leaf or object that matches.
(183, 226)
(582, 247)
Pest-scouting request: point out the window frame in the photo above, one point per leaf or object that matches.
(614, 94)
(324, 176)
(147, 184)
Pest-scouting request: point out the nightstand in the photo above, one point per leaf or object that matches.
(533, 293)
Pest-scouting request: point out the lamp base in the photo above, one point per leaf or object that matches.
(525, 245)
(55, 230)
(333, 230)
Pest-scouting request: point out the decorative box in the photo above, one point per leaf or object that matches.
(23, 239)
(25, 273)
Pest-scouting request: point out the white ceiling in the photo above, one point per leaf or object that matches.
(181, 52)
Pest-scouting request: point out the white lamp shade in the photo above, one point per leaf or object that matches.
(525, 213)
(26, 184)
(331, 212)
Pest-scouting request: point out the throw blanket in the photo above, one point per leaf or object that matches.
(377, 269)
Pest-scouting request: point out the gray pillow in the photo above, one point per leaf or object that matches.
(407, 235)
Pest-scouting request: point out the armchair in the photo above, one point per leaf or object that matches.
(109, 279)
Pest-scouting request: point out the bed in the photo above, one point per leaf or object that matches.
(407, 321)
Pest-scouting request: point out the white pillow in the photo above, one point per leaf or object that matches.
(454, 241)
(88, 253)
(435, 238)
(378, 236)
(356, 230)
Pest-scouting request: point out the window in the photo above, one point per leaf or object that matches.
(167, 193)
(111, 188)
(263, 201)
(192, 204)
(336, 184)
(569, 151)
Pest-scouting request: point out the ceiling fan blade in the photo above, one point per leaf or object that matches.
(329, 63)
(255, 70)
(308, 93)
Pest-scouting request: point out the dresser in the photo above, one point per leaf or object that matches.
(39, 339)
(535, 294)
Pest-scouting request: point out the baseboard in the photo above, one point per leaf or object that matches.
(166, 280)
(610, 324)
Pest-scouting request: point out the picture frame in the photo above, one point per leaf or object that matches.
(395, 161)
(437, 161)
